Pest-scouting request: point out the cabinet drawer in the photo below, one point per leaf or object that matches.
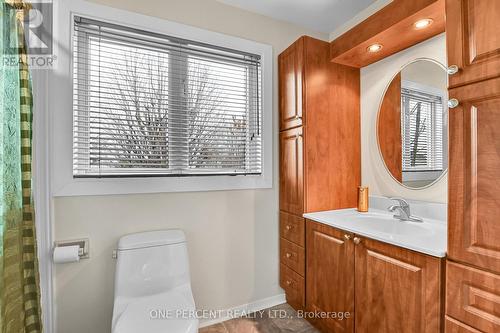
(454, 326)
(473, 297)
(292, 256)
(292, 228)
(294, 286)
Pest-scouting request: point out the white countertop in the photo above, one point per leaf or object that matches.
(428, 237)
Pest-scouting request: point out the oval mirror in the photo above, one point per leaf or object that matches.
(412, 124)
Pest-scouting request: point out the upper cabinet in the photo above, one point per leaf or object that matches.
(473, 38)
(291, 66)
(474, 207)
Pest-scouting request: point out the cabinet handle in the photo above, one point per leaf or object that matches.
(288, 282)
(347, 236)
(297, 117)
(453, 69)
(297, 136)
(288, 255)
(288, 227)
(356, 240)
(453, 103)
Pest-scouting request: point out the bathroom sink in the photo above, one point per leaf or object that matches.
(388, 224)
(427, 237)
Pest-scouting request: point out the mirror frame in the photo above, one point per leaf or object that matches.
(445, 172)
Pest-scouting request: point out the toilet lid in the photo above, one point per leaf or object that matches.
(170, 312)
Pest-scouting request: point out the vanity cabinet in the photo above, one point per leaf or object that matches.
(330, 275)
(397, 290)
(385, 288)
(473, 40)
(319, 156)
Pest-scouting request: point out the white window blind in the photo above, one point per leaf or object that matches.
(422, 131)
(149, 104)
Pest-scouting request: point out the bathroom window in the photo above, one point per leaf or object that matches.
(422, 131)
(148, 104)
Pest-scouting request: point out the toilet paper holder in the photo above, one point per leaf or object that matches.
(83, 244)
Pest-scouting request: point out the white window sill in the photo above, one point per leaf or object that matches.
(109, 186)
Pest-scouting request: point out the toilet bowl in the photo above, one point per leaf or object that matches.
(152, 284)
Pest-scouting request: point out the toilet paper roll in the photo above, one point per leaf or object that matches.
(65, 254)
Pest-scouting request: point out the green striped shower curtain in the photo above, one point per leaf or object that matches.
(19, 280)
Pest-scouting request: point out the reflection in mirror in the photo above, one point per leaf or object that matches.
(412, 126)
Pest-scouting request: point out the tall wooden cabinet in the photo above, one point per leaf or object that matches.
(319, 148)
(473, 269)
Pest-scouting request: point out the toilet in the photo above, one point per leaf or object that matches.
(152, 284)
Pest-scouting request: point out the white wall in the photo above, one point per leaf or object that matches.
(232, 235)
(426, 73)
(374, 80)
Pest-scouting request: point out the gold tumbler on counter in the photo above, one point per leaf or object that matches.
(362, 199)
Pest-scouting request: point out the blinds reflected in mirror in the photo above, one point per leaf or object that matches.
(422, 130)
(150, 104)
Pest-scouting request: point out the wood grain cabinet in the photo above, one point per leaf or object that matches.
(330, 276)
(292, 171)
(397, 290)
(474, 204)
(472, 298)
(319, 156)
(385, 288)
(473, 265)
(291, 65)
(473, 38)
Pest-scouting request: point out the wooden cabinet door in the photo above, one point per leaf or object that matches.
(473, 297)
(474, 173)
(397, 290)
(290, 73)
(473, 38)
(292, 171)
(330, 276)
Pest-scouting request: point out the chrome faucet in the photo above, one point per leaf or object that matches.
(404, 211)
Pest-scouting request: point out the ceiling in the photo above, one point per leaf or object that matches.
(318, 15)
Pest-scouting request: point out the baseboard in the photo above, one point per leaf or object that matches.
(258, 305)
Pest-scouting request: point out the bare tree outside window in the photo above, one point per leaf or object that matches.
(417, 154)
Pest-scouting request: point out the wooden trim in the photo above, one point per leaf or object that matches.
(392, 26)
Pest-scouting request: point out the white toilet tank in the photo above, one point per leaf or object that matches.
(151, 263)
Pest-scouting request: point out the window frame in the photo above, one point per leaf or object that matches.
(60, 102)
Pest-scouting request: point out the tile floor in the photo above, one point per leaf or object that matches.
(278, 319)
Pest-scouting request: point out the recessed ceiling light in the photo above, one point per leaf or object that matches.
(421, 24)
(374, 48)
